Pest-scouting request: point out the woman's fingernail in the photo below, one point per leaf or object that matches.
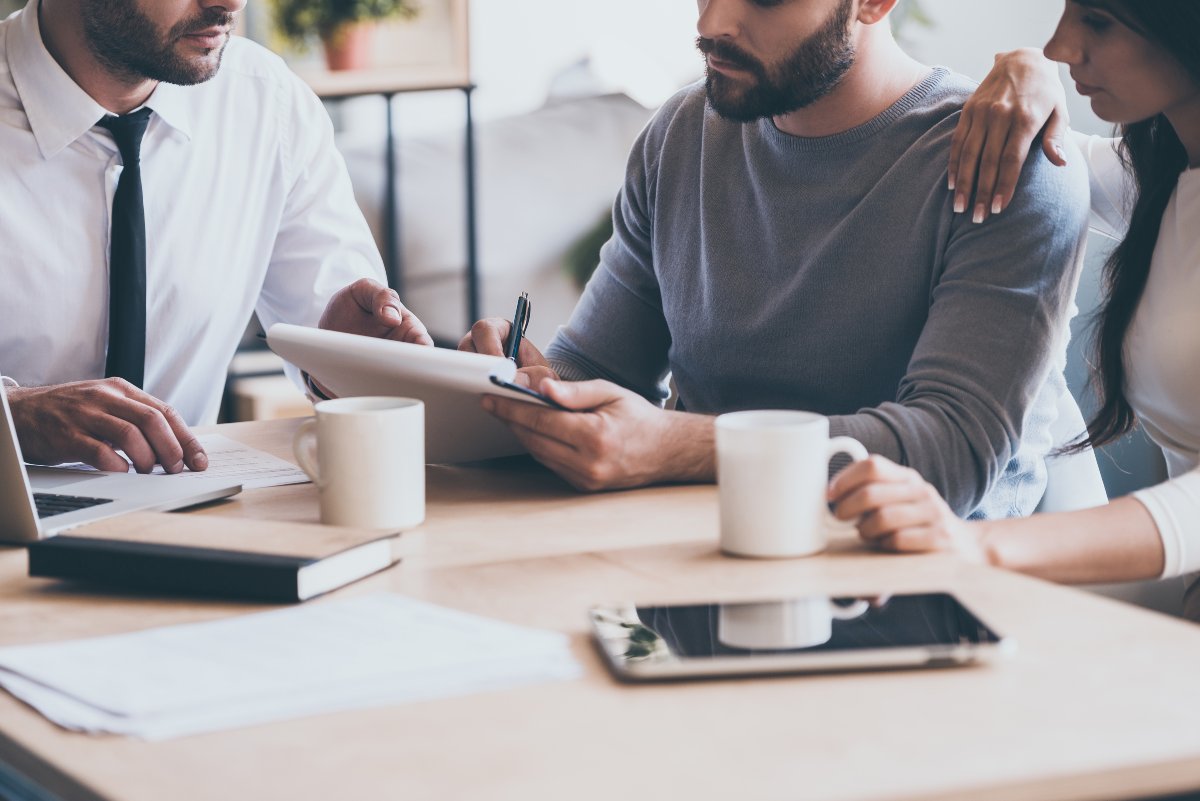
(200, 460)
(960, 204)
(997, 205)
(950, 183)
(392, 314)
(980, 211)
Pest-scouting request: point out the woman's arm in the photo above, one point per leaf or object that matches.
(1021, 97)
(897, 510)
(1114, 542)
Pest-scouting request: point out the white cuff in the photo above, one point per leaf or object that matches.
(8, 383)
(1175, 507)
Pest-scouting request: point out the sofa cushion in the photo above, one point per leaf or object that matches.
(543, 180)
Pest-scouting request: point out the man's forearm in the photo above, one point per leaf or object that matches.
(689, 450)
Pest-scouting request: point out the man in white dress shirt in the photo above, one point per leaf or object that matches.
(247, 206)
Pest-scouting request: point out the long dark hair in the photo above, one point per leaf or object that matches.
(1155, 157)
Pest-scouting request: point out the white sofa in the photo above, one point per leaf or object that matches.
(544, 179)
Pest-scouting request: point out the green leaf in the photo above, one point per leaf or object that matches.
(638, 652)
(301, 20)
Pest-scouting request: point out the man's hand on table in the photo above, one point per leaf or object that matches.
(88, 421)
(616, 438)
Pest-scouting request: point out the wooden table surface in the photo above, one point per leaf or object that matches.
(1099, 701)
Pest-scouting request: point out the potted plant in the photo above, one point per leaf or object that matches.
(907, 11)
(345, 27)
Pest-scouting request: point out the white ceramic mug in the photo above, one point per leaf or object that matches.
(772, 473)
(367, 459)
(775, 625)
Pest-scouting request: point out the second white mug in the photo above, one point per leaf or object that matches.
(367, 457)
(772, 472)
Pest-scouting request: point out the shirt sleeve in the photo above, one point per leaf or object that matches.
(1112, 190)
(617, 330)
(323, 242)
(979, 379)
(1175, 507)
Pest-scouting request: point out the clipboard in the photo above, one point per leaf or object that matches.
(450, 382)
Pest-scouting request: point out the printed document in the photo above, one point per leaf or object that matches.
(252, 468)
(323, 657)
(229, 459)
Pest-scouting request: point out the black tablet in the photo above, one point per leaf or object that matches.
(810, 634)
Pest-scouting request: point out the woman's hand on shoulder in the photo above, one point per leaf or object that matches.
(1019, 98)
(897, 510)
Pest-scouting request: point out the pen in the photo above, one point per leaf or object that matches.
(519, 324)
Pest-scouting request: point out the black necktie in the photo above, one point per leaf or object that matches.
(127, 255)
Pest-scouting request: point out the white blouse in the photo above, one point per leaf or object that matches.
(1162, 348)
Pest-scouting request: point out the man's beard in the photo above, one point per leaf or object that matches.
(126, 42)
(812, 71)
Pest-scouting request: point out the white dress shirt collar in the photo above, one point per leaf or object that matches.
(58, 109)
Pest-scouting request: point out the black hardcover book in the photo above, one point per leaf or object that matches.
(214, 556)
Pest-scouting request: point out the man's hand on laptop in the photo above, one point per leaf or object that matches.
(371, 309)
(89, 421)
(615, 439)
(490, 337)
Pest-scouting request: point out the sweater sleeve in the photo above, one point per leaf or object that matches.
(617, 330)
(978, 384)
(1175, 507)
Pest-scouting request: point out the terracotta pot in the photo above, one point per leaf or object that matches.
(348, 47)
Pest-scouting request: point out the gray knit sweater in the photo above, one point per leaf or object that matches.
(765, 270)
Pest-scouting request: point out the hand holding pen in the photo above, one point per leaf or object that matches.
(520, 323)
(496, 336)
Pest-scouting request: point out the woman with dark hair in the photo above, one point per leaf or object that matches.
(1139, 64)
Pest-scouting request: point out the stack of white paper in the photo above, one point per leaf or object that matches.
(341, 654)
(231, 460)
(253, 469)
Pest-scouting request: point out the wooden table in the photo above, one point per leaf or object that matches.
(1100, 701)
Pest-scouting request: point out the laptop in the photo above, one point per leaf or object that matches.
(38, 502)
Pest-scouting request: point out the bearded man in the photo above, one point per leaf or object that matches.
(159, 181)
(784, 239)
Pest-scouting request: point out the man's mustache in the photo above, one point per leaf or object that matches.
(215, 18)
(727, 52)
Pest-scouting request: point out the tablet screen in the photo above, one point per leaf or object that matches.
(820, 632)
(815, 624)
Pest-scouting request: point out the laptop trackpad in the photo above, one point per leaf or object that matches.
(47, 478)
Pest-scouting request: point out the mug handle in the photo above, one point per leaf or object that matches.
(854, 610)
(857, 452)
(304, 445)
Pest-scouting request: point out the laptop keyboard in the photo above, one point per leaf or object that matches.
(49, 505)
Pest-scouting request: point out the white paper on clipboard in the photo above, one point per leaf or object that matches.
(450, 382)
